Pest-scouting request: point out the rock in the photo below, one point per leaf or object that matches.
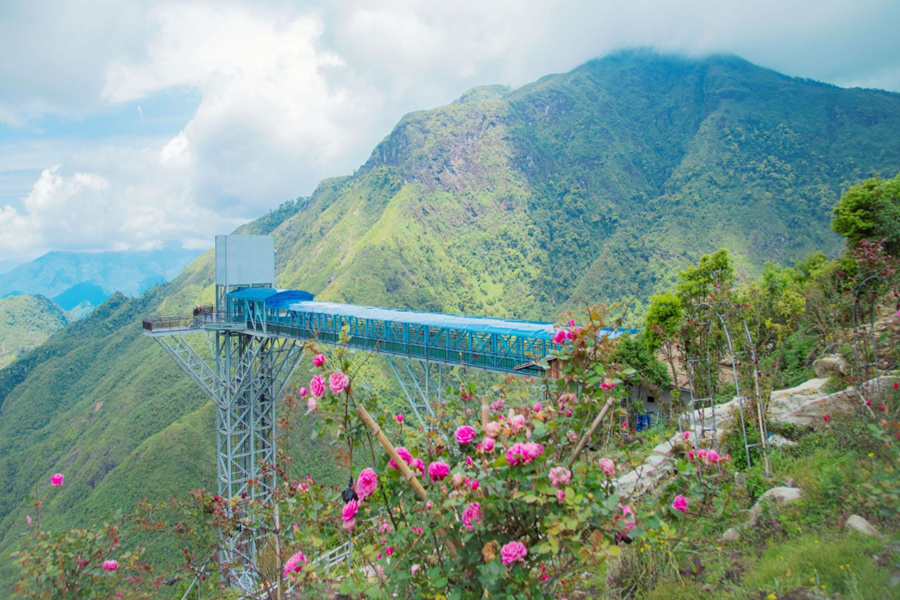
(830, 365)
(781, 495)
(857, 523)
(778, 441)
(784, 402)
(665, 449)
(732, 534)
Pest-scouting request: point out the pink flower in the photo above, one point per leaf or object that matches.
(418, 466)
(493, 429)
(687, 435)
(624, 424)
(538, 406)
(485, 445)
(465, 435)
(469, 461)
(560, 495)
(559, 337)
(317, 386)
(471, 515)
(438, 470)
(110, 565)
(712, 457)
(405, 455)
(520, 453)
(473, 483)
(571, 322)
(413, 569)
(319, 360)
(400, 418)
(312, 403)
(389, 551)
(608, 466)
(680, 504)
(57, 480)
(294, 564)
(517, 422)
(28, 519)
(366, 483)
(626, 519)
(513, 552)
(457, 479)
(607, 384)
(827, 418)
(338, 382)
(348, 515)
(302, 392)
(559, 475)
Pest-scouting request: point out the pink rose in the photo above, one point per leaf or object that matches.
(626, 520)
(418, 466)
(294, 564)
(348, 515)
(319, 360)
(607, 384)
(559, 337)
(366, 483)
(57, 480)
(513, 552)
(413, 569)
(469, 461)
(400, 418)
(493, 429)
(312, 403)
(680, 504)
(687, 435)
(110, 565)
(405, 455)
(457, 479)
(517, 422)
(559, 475)
(473, 483)
(471, 515)
(538, 406)
(338, 382)
(438, 470)
(608, 466)
(485, 445)
(302, 392)
(520, 453)
(317, 386)
(465, 435)
(560, 495)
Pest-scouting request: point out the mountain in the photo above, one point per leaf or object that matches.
(594, 185)
(89, 278)
(25, 323)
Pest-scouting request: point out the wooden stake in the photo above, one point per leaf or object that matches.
(392, 452)
(590, 432)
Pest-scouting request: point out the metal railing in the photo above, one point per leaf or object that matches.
(201, 316)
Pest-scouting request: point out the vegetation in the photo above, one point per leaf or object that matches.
(25, 323)
(601, 184)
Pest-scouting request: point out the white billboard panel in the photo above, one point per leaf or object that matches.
(245, 260)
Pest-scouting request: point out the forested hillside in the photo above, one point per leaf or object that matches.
(25, 323)
(597, 185)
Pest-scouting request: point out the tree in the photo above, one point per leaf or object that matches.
(712, 274)
(870, 210)
(661, 330)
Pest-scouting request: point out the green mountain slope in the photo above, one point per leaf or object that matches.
(25, 323)
(594, 185)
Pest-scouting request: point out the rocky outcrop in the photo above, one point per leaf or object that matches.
(830, 365)
(807, 404)
(778, 495)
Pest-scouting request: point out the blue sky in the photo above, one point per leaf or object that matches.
(130, 124)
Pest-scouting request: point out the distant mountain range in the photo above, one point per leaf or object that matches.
(596, 185)
(79, 281)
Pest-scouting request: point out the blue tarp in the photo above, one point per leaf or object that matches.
(252, 293)
(284, 298)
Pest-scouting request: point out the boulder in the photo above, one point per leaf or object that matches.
(779, 495)
(830, 365)
(777, 441)
(857, 523)
(784, 402)
(732, 534)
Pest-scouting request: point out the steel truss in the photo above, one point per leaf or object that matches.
(422, 383)
(248, 373)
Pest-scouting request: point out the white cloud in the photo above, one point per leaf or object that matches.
(290, 93)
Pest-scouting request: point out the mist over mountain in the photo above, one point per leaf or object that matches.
(596, 185)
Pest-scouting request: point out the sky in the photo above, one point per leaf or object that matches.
(130, 125)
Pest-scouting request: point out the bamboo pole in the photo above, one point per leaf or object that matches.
(589, 433)
(279, 593)
(392, 452)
